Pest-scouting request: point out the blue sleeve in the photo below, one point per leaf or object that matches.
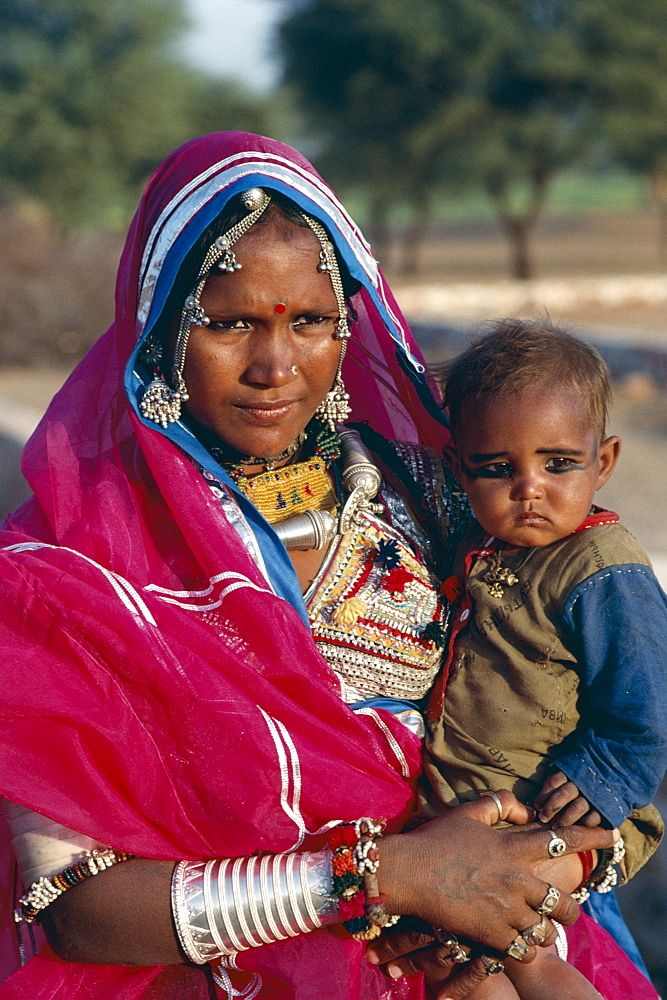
(618, 621)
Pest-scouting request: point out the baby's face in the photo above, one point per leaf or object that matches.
(531, 463)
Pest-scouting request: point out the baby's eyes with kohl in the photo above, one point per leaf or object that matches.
(561, 464)
(496, 470)
(505, 470)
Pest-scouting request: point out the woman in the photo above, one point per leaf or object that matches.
(168, 699)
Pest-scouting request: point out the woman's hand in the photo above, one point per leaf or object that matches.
(410, 949)
(479, 883)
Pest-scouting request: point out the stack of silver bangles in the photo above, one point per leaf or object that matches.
(224, 906)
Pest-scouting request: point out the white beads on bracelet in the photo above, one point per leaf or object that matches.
(605, 877)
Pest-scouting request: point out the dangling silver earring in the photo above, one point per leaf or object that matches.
(335, 407)
(161, 403)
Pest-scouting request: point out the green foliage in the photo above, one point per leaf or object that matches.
(413, 97)
(221, 105)
(626, 74)
(92, 99)
(89, 102)
(381, 88)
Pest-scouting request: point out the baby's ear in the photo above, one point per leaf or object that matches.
(451, 456)
(610, 449)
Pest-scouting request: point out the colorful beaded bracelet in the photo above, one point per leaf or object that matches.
(355, 861)
(42, 892)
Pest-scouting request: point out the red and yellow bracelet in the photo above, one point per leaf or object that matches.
(355, 861)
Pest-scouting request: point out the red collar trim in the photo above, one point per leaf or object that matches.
(598, 517)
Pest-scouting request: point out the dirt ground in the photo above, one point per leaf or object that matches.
(571, 251)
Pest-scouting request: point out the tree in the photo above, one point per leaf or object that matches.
(626, 73)
(537, 115)
(382, 93)
(412, 98)
(89, 101)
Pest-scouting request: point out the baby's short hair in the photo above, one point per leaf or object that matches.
(513, 355)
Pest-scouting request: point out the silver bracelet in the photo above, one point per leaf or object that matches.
(224, 906)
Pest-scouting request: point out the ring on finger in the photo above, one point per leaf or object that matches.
(518, 948)
(557, 845)
(536, 933)
(451, 943)
(549, 902)
(488, 794)
(492, 966)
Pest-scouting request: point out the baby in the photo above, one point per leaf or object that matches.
(557, 668)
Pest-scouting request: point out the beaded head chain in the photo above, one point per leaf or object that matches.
(161, 402)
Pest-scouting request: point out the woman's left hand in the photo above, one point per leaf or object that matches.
(410, 948)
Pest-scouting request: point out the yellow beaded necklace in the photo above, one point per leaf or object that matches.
(292, 489)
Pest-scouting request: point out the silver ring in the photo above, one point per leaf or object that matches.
(492, 966)
(451, 943)
(536, 933)
(517, 949)
(557, 845)
(549, 902)
(488, 794)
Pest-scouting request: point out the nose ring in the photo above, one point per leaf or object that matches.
(294, 370)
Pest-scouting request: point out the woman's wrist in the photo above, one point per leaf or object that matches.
(566, 872)
(395, 878)
(355, 863)
(225, 906)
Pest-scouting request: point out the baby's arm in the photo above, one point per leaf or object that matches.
(559, 797)
(618, 622)
(549, 978)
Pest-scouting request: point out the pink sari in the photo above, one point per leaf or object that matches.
(141, 704)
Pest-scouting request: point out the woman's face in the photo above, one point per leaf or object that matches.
(258, 372)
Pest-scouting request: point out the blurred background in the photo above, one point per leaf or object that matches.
(505, 157)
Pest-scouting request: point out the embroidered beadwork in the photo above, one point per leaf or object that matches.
(290, 490)
(372, 622)
(442, 494)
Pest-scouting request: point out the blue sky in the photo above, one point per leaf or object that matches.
(233, 38)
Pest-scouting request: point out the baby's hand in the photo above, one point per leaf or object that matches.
(559, 797)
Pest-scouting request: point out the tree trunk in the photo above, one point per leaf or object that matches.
(519, 225)
(518, 232)
(415, 237)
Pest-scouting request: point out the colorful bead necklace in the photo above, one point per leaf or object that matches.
(222, 455)
(295, 488)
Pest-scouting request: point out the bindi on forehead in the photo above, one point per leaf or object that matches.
(279, 308)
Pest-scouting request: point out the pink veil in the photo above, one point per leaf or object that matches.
(141, 703)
